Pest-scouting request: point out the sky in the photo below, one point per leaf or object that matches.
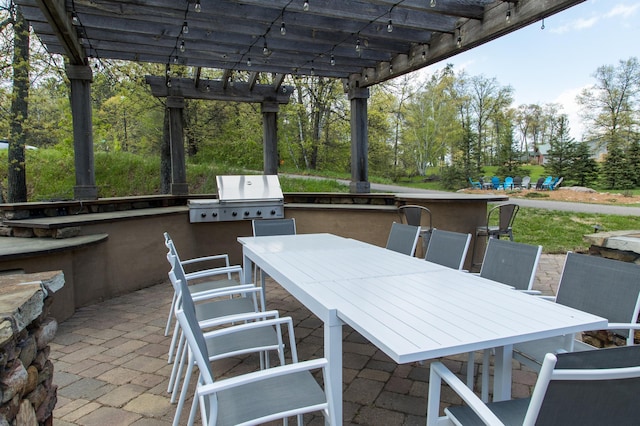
(554, 64)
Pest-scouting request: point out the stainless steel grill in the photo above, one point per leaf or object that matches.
(241, 198)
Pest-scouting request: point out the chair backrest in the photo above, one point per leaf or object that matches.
(508, 181)
(412, 215)
(557, 183)
(448, 248)
(588, 388)
(496, 182)
(507, 214)
(511, 263)
(526, 181)
(267, 227)
(604, 287)
(517, 181)
(539, 182)
(403, 238)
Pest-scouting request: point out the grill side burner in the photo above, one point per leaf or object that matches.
(241, 198)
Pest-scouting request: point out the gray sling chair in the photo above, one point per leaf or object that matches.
(596, 388)
(224, 305)
(413, 215)
(270, 227)
(403, 238)
(231, 334)
(256, 397)
(512, 264)
(604, 287)
(448, 248)
(206, 279)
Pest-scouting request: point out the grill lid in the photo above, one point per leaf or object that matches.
(245, 188)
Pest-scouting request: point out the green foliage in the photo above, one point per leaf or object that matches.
(614, 172)
(562, 153)
(584, 169)
(454, 178)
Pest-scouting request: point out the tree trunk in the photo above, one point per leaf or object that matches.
(17, 191)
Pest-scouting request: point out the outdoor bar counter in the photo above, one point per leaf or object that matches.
(110, 247)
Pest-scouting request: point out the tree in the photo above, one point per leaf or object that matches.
(584, 169)
(614, 171)
(562, 153)
(17, 191)
(633, 161)
(610, 107)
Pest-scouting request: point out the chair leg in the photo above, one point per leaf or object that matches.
(484, 392)
(170, 317)
(470, 370)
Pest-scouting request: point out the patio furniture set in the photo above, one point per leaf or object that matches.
(543, 183)
(411, 308)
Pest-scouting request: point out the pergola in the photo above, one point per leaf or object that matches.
(361, 42)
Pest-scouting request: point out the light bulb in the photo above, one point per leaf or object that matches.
(208, 89)
(433, 3)
(542, 26)
(197, 7)
(424, 55)
(248, 62)
(358, 45)
(366, 77)
(390, 26)
(390, 68)
(185, 28)
(333, 60)
(459, 41)
(265, 49)
(168, 82)
(313, 71)
(305, 6)
(74, 19)
(508, 15)
(182, 47)
(283, 29)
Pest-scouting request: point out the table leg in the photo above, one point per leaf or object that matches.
(502, 378)
(247, 269)
(333, 353)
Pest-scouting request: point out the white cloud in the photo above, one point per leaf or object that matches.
(570, 107)
(576, 25)
(622, 10)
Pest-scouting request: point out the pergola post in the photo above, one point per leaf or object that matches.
(359, 141)
(175, 105)
(270, 137)
(80, 77)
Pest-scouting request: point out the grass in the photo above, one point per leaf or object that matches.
(558, 231)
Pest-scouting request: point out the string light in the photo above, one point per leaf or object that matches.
(390, 68)
(542, 26)
(248, 62)
(433, 3)
(508, 18)
(459, 41)
(185, 28)
(305, 5)
(207, 89)
(358, 45)
(74, 18)
(333, 60)
(283, 29)
(265, 49)
(182, 46)
(390, 26)
(197, 7)
(168, 82)
(424, 55)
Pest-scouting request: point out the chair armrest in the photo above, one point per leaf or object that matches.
(261, 375)
(206, 259)
(227, 319)
(226, 291)
(438, 373)
(248, 326)
(235, 269)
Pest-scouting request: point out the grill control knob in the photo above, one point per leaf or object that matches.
(203, 215)
(259, 213)
(246, 213)
(234, 214)
(273, 212)
(214, 214)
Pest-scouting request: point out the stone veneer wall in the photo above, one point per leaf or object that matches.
(27, 393)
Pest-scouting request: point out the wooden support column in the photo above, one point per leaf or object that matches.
(359, 141)
(270, 137)
(80, 77)
(179, 186)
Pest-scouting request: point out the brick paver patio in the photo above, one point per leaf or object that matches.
(110, 363)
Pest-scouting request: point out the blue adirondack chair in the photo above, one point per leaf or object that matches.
(475, 185)
(508, 182)
(495, 181)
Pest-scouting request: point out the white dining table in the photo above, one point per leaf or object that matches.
(411, 309)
